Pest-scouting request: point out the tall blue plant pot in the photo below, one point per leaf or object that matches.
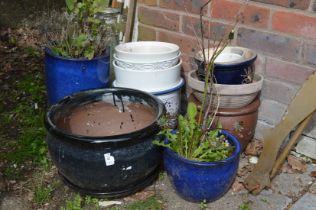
(65, 76)
(202, 181)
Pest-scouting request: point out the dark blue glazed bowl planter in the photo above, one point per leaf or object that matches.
(202, 181)
(65, 76)
(105, 166)
(231, 73)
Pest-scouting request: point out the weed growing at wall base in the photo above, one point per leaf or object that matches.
(23, 131)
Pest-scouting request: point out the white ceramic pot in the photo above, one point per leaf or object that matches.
(230, 96)
(147, 64)
(147, 80)
(171, 98)
(146, 51)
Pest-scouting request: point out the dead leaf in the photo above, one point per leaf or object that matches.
(254, 148)
(140, 196)
(297, 164)
(313, 174)
(245, 170)
(286, 168)
(237, 186)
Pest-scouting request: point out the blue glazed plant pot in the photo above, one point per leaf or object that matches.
(231, 72)
(65, 76)
(202, 181)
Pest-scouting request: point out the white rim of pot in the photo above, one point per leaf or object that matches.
(125, 50)
(222, 89)
(245, 53)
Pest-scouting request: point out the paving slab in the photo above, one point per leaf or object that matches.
(307, 202)
(230, 201)
(293, 185)
(13, 202)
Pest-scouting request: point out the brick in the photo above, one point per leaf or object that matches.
(268, 43)
(192, 6)
(225, 9)
(188, 45)
(261, 129)
(247, 14)
(146, 33)
(309, 54)
(296, 24)
(192, 26)
(158, 18)
(279, 91)
(287, 71)
(295, 4)
(271, 112)
(148, 2)
(219, 30)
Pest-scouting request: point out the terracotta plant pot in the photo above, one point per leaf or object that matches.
(101, 140)
(241, 122)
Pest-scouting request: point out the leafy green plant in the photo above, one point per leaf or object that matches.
(196, 137)
(191, 142)
(78, 32)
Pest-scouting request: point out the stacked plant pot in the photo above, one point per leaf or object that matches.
(235, 90)
(152, 67)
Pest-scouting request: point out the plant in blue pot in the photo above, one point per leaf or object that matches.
(200, 163)
(77, 53)
(201, 159)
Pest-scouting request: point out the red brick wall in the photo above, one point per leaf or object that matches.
(282, 32)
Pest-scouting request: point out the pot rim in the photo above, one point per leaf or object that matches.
(224, 89)
(231, 158)
(49, 52)
(244, 61)
(148, 130)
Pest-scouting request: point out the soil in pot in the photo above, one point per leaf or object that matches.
(105, 119)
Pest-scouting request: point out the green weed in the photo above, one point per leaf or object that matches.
(32, 52)
(26, 116)
(203, 204)
(151, 203)
(245, 206)
(77, 203)
(42, 193)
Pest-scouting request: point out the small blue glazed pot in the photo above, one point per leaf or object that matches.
(229, 74)
(65, 76)
(197, 181)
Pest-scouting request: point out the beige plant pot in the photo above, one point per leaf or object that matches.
(230, 96)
